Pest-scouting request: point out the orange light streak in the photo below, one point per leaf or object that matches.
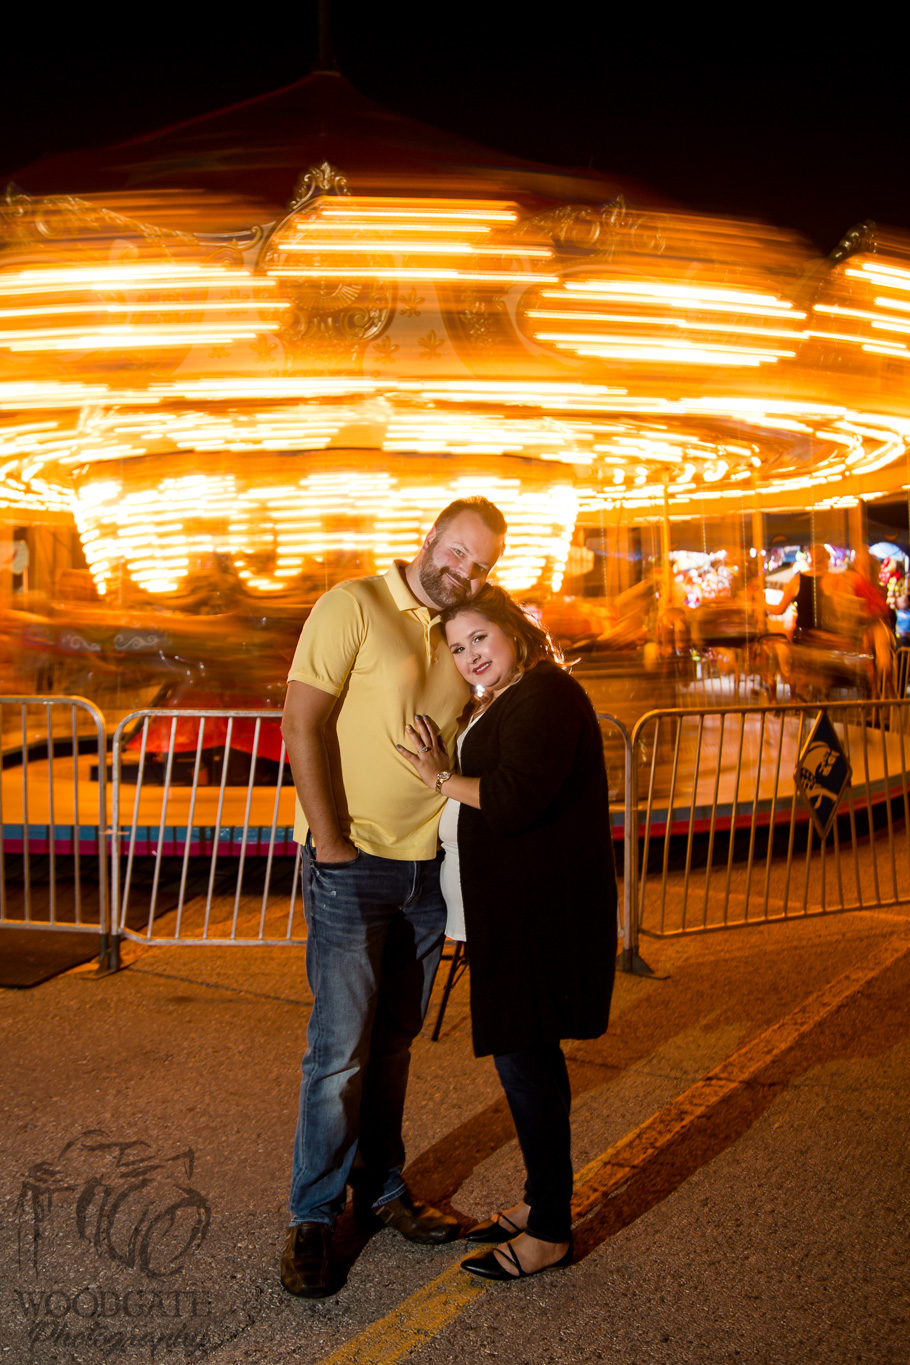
(406, 248)
(410, 273)
(647, 320)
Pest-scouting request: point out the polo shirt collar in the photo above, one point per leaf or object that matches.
(405, 600)
(402, 596)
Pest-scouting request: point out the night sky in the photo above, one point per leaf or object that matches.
(805, 125)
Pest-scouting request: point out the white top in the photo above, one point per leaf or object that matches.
(450, 872)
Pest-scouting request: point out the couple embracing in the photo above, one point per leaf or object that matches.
(423, 692)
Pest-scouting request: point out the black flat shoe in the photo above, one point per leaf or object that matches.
(486, 1267)
(499, 1228)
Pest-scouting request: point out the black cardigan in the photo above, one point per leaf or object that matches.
(537, 871)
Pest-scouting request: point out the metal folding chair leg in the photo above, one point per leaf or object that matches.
(457, 967)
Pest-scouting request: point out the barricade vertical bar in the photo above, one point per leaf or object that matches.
(217, 835)
(692, 805)
(246, 824)
(792, 834)
(670, 807)
(837, 862)
(713, 824)
(77, 855)
(165, 800)
(647, 841)
(808, 866)
(272, 835)
(140, 775)
(754, 823)
(851, 807)
(900, 731)
(115, 839)
(887, 775)
(109, 948)
(26, 854)
(639, 867)
(773, 819)
(869, 812)
(52, 820)
(294, 879)
(189, 825)
(735, 809)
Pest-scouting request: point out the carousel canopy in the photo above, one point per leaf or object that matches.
(242, 164)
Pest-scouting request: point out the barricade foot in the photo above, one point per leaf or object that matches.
(633, 962)
(108, 958)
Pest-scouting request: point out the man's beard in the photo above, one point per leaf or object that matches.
(440, 586)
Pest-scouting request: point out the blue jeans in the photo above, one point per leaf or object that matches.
(375, 929)
(536, 1083)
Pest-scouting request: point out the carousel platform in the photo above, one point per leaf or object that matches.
(727, 772)
(63, 813)
(712, 775)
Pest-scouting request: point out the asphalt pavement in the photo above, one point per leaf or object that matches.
(741, 1140)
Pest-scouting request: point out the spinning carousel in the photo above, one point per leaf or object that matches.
(253, 355)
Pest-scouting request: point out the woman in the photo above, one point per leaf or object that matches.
(538, 886)
(815, 593)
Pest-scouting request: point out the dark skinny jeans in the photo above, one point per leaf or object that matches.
(536, 1083)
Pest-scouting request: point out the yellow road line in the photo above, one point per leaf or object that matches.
(408, 1326)
(419, 1317)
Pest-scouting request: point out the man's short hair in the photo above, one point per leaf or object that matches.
(488, 512)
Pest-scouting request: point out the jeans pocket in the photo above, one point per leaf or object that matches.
(336, 867)
(310, 851)
(336, 884)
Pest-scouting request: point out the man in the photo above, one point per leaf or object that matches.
(370, 657)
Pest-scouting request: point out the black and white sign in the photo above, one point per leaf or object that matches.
(822, 774)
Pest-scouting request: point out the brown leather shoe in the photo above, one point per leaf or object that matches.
(418, 1222)
(305, 1268)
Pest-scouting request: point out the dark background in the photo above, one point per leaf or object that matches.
(803, 122)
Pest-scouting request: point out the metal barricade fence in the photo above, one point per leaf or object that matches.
(198, 860)
(725, 836)
(53, 858)
(202, 814)
(901, 671)
(618, 755)
(181, 847)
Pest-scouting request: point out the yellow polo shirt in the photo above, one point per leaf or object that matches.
(372, 645)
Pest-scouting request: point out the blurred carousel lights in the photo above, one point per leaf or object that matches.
(646, 362)
(655, 318)
(155, 532)
(401, 240)
(215, 306)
